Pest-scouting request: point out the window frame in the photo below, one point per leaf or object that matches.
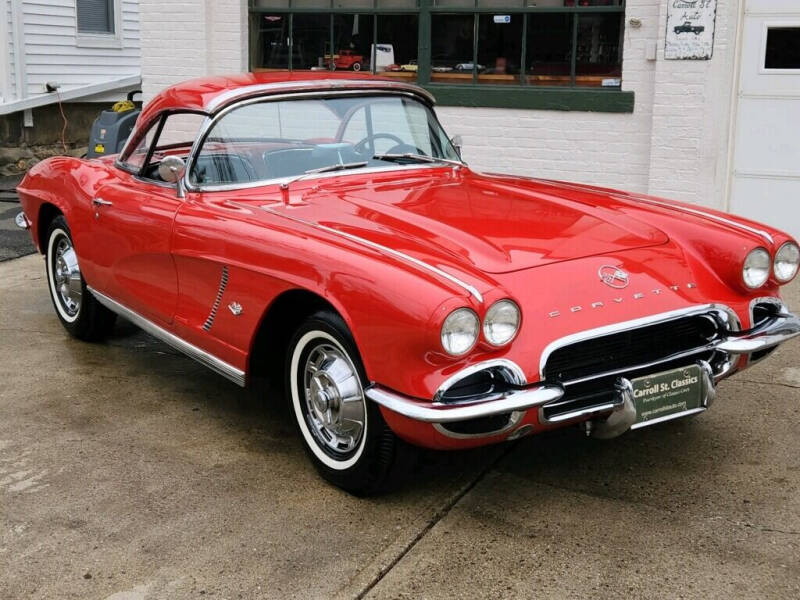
(100, 39)
(762, 59)
(216, 117)
(519, 95)
(158, 122)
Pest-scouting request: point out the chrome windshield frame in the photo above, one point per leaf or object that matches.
(264, 96)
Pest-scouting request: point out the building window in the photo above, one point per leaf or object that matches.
(782, 48)
(95, 16)
(519, 43)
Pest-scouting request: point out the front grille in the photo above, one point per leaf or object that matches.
(630, 354)
(629, 348)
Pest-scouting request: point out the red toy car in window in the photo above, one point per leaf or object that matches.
(348, 60)
(323, 231)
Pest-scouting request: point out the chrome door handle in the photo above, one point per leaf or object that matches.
(100, 201)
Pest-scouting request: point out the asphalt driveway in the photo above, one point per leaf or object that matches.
(129, 472)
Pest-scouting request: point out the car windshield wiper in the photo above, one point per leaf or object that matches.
(328, 169)
(418, 158)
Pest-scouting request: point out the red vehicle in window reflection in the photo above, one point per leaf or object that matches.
(323, 231)
(348, 60)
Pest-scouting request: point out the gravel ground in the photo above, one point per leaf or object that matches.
(14, 242)
(128, 472)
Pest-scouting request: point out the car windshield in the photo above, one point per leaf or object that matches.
(271, 140)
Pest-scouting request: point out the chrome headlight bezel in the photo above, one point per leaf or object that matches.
(502, 309)
(793, 259)
(756, 268)
(461, 321)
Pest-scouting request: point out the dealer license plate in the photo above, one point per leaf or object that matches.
(661, 396)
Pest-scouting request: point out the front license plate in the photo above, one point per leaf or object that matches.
(662, 395)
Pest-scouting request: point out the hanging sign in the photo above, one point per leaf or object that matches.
(502, 19)
(690, 29)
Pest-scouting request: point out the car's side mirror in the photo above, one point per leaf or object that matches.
(457, 143)
(171, 168)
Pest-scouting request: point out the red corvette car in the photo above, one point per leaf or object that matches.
(322, 230)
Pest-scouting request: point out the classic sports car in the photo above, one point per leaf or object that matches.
(323, 230)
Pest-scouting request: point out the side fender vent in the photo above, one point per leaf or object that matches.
(223, 283)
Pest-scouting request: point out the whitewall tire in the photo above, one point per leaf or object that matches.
(79, 312)
(344, 434)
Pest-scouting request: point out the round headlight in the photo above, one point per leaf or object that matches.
(460, 331)
(755, 271)
(787, 259)
(501, 323)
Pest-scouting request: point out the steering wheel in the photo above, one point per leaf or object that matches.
(406, 149)
(361, 146)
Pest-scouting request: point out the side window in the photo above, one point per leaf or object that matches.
(135, 160)
(172, 135)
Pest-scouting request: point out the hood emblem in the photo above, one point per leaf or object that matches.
(614, 277)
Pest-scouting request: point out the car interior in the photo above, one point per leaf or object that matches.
(226, 160)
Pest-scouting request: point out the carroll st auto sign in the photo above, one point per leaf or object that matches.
(690, 29)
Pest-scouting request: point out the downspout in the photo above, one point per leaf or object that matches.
(733, 110)
(5, 87)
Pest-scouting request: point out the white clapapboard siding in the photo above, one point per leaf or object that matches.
(53, 50)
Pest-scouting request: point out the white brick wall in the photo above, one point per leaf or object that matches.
(673, 144)
(191, 38)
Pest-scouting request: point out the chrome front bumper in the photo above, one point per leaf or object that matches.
(777, 330)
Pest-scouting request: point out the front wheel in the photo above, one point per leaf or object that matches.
(79, 312)
(343, 433)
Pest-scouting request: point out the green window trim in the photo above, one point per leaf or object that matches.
(521, 96)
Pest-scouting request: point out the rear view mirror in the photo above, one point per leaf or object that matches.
(171, 169)
(458, 143)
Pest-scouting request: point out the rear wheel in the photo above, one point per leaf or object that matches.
(344, 434)
(356, 66)
(79, 312)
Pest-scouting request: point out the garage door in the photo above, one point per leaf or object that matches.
(766, 175)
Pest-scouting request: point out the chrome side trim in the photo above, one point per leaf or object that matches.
(512, 369)
(517, 400)
(318, 86)
(628, 325)
(223, 283)
(383, 249)
(217, 365)
(701, 213)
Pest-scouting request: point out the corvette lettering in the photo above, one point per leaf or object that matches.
(617, 300)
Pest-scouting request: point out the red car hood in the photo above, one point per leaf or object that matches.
(497, 225)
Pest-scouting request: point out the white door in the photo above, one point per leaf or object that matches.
(766, 166)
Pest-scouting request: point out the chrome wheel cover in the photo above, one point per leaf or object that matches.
(335, 408)
(66, 276)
